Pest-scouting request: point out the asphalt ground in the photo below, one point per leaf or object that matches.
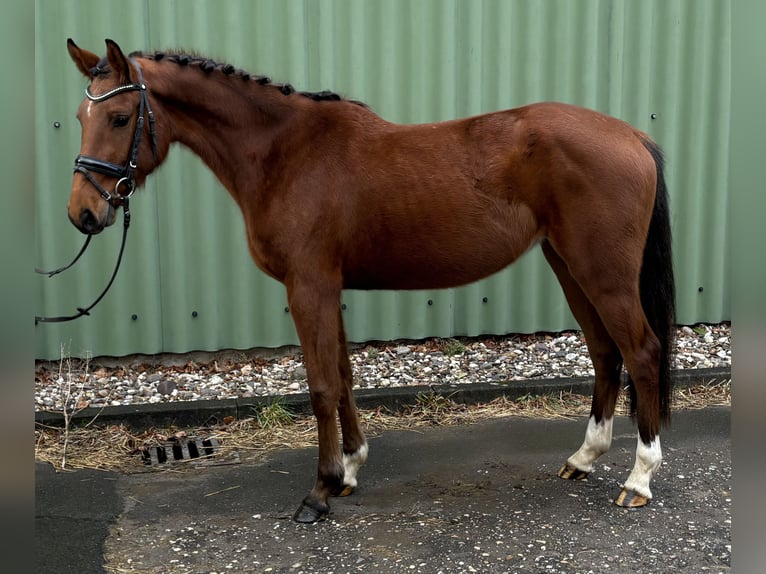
(476, 498)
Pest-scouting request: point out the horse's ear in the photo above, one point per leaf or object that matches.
(84, 60)
(118, 62)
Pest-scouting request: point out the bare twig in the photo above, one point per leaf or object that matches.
(67, 411)
(66, 402)
(223, 490)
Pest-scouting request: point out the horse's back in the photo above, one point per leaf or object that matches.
(448, 203)
(456, 201)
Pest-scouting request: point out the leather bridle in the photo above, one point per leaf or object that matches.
(125, 176)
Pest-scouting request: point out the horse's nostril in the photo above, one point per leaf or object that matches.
(88, 221)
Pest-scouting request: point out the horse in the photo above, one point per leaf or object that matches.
(335, 197)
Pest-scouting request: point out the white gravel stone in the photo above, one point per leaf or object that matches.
(492, 359)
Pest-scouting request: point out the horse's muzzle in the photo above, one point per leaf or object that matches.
(90, 224)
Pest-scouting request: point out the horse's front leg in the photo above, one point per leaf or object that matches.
(315, 313)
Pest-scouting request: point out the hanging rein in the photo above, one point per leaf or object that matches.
(123, 189)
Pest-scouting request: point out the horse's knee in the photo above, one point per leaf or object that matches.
(324, 401)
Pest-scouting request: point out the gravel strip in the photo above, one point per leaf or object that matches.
(81, 384)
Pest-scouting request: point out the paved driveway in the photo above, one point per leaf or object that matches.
(480, 498)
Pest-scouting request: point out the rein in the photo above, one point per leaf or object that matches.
(125, 175)
(65, 267)
(86, 310)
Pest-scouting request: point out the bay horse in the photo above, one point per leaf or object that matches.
(335, 197)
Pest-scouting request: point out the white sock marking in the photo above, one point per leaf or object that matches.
(598, 439)
(351, 464)
(648, 459)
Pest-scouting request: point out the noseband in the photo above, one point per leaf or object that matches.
(124, 174)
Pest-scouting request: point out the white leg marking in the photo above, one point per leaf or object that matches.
(598, 439)
(351, 464)
(648, 459)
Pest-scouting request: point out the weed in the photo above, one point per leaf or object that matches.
(452, 347)
(273, 414)
(700, 330)
(433, 406)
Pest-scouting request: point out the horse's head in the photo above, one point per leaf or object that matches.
(118, 146)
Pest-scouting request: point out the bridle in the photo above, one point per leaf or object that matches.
(125, 176)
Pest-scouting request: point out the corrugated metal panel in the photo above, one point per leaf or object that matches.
(412, 62)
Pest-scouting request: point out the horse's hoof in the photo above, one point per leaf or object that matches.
(307, 514)
(348, 489)
(631, 499)
(569, 472)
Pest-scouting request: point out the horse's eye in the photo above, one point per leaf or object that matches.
(120, 121)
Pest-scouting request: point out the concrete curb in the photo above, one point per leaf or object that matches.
(201, 413)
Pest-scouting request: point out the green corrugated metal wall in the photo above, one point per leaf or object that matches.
(411, 61)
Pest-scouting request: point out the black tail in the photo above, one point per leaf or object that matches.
(658, 291)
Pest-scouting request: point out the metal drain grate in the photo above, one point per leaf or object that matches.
(184, 449)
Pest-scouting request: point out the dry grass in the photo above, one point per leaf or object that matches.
(115, 447)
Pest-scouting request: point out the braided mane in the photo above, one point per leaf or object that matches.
(209, 66)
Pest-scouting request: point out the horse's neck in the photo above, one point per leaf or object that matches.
(228, 123)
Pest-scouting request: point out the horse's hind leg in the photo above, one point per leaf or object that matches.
(624, 317)
(610, 280)
(607, 364)
(354, 443)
